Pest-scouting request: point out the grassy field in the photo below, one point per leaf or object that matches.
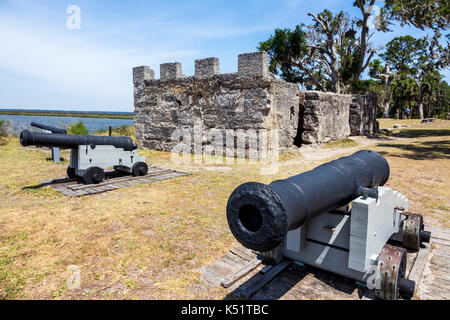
(150, 241)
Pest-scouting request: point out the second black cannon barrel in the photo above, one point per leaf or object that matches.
(49, 128)
(69, 141)
(260, 215)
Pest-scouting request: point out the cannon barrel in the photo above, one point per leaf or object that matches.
(69, 141)
(49, 128)
(260, 215)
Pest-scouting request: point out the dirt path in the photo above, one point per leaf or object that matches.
(323, 153)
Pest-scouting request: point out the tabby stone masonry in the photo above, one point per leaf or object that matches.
(223, 107)
(326, 117)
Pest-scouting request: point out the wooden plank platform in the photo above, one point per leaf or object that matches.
(243, 274)
(113, 180)
(435, 281)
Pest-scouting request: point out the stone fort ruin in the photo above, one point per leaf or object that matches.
(251, 98)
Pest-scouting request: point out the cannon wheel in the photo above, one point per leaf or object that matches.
(93, 175)
(412, 227)
(71, 172)
(391, 272)
(140, 169)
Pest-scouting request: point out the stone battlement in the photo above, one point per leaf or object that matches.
(249, 65)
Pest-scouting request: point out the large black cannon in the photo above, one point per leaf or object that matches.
(90, 155)
(69, 141)
(337, 217)
(260, 215)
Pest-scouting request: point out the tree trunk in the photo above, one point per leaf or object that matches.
(366, 12)
(387, 107)
(335, 79)
(420, 102)
(334, 65)
(421, 110)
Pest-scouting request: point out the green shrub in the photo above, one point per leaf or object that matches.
(5, 132)
(344, 143)
(5, 127)
(125, 131)
(122, 131)
(77, 128)
(4, 141)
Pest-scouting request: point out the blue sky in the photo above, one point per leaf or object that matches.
(44, 65)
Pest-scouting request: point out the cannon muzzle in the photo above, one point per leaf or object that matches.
(260, 215)
(68, 141)
(49, 128)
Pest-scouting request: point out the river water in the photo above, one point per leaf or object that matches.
(22, 122)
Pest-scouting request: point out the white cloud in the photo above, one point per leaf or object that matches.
(71, 62)
(93, 66)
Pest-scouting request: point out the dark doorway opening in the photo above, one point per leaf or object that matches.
(298, 138)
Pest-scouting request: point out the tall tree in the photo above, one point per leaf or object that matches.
(430, 92)
(418, 60)
(404, 93)
(333, 52)
(366, 53)
(319, 55)
(405, 54)
(384, 74)
(434, 14)
(438, 101)
(438, 57)
(326, 38)
(287, 51)
(328, 54)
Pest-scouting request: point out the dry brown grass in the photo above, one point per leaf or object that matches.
(150, 241)
(389, 123)
(420, 168)
(344, 143)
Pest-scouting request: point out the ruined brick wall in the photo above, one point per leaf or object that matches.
(326, 117)
(250, 99)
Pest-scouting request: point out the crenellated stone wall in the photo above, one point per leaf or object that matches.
(250, 99)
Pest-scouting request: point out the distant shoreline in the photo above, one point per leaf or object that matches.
(83, 114)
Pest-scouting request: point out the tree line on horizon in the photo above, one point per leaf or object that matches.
(334, 53)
